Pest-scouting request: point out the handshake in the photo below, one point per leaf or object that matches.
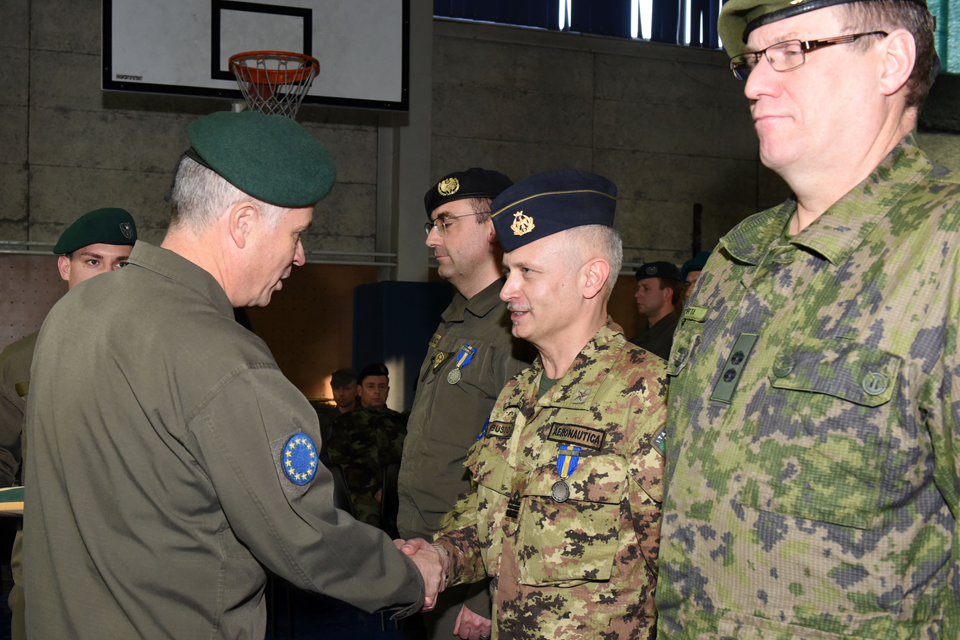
(433, 564)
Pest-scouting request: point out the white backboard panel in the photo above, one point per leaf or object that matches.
(182, 46)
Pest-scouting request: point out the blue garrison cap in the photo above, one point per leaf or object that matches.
(548, 203)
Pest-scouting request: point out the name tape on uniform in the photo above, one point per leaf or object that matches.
(499, 429)
(575, 434)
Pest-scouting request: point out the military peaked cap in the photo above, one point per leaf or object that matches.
(666, 270)
(460, 185)
(271, 158)
(548, 203)
(739, 18)
(101, 226)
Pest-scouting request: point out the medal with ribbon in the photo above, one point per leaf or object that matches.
(463, 359)
(566, 464)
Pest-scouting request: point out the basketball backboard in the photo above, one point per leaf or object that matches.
(182, 46)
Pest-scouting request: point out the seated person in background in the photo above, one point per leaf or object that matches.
(659, 292)
(343, 384)
(366, 441)
(690, 271)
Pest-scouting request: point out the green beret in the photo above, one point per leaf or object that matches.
(271, 158)
(102, 226)
(739, 18)
(666, 270)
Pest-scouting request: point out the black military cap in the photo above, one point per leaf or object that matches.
(460, 185)
(271, 158)
(101, 226)
(548, 203)
(376, 369)
(658, 270)
(697, 263)
(739, 18)
(343, 378)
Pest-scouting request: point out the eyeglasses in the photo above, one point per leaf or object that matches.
(443, 221)
(789, 55)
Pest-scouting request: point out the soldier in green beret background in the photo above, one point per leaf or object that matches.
(659, 294)
(171, 463)
(97, 242)
(814, 420)
(564, 512)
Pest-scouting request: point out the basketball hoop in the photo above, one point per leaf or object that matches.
(274, 82)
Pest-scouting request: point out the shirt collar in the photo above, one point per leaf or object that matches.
(842, 227)
(479, 305)
(179, 269)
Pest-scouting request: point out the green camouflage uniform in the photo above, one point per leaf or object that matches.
(586, 567)
(812, 479)
(364, 443)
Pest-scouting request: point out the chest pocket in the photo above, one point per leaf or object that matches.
(823, 455)
(572, 542)
(685, 342)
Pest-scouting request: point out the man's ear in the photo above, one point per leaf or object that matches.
(242, 219)
(595, 276)
(900, 56)
(63, 266)
(491, 232)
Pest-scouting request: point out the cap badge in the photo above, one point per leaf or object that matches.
(127, 230)
(521, 224)
(651, 271)
(448, 187)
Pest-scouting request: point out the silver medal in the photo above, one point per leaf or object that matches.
(560, 491)
(454, 376)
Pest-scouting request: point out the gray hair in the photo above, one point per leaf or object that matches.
(599, 240)
(200, 196)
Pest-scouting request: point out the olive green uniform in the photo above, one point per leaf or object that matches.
(156, 488)
(14, 385)
(364, 443)
(657, 339)
(447, 416)
(814, 424)
(586, 566)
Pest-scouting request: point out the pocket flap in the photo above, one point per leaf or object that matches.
(596, 479)
(840, 369)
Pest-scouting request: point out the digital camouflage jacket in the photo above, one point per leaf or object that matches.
(812, 485)
(581, 562)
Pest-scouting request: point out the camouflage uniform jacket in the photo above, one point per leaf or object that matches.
(812, 440)
(364, 443)
(585, 567)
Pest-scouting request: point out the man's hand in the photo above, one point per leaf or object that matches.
(472, 626)
(433, 566)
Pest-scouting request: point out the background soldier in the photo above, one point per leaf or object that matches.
(171, 462)
(659, 293)
(367, 440)
(98, 242)
(812, 485)
(469, 360)
(565, 515)
(343, 385)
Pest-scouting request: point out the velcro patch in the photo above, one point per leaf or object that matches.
(435, 340)
(499, 429)
(575, 434)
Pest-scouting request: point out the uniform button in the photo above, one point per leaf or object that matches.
(782, 365)
(736, 358)
(729, 375)
(875, 383)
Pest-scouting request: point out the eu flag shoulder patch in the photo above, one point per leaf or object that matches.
(299, 459)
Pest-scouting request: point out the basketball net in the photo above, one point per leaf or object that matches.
(274, 82)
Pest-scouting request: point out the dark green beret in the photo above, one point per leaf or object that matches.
(739, 18)
(697, 263)
(271, 158)
(375, 369)
(101, 226)
(472, 183)
(548, 203)
(658, 270)
(343, 378)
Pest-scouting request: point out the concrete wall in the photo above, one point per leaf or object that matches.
(669, 125)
